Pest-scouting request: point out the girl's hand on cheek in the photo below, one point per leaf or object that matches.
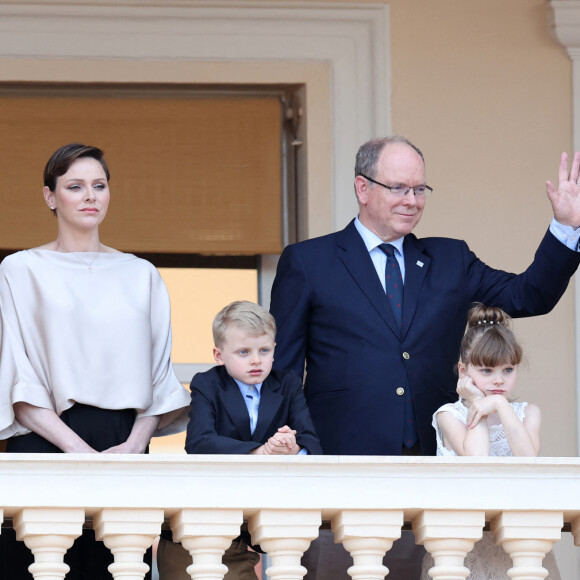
(467, 390)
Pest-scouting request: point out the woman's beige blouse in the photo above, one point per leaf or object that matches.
(98, 336)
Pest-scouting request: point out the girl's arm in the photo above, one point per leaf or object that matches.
(462, 440)
(139, 438)
(455, 434)
(523, 438)
(47, 424)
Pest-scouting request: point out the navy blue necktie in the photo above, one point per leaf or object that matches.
(394, 290)
(393, 283)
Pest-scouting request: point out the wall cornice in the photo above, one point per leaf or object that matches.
(351, 39)
(564, 20)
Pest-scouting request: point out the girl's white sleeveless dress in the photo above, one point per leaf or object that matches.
(486, 561)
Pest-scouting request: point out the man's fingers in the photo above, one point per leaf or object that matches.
(575, 170)
(563, 170)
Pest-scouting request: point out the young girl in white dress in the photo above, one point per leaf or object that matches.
(486, 421)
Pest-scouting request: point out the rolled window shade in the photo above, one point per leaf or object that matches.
(188, 175)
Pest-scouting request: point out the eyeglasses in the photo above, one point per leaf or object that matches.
(402, 190)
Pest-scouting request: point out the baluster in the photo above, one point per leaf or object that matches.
(49, 533)
(575, 523)
(128, 533)
(527, 537)
(449, 535)
(206, 534)
(367, 535)
(285, 535)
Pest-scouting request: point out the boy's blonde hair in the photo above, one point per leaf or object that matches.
(244, 315)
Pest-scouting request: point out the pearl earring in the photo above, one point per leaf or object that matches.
(52, 207)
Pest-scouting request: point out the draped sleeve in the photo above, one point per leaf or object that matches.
(16, 378)
(169, 398)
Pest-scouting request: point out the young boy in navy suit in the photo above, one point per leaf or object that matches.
(242, 406)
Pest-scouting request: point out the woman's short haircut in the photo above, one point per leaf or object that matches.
(61, 160)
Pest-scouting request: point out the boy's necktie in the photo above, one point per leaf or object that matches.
(253, 405)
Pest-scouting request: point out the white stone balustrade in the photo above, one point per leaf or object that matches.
(366, 500)
(285, 535)
(49, 533)
(575, 525)
(527, 537)
(206, 534)
(128, 533)
(367, 535)
(449, 535)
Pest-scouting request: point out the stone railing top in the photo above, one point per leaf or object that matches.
(327, 483)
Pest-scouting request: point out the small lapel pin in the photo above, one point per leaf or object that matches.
(419, 263)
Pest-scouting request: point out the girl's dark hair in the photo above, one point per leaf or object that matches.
(61, 160)
(488, 340)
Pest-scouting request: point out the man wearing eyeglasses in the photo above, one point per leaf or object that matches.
(377, 314)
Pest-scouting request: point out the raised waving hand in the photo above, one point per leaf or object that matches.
(565, 199)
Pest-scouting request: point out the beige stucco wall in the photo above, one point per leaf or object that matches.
(485, 91)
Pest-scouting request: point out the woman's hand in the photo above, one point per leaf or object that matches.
(126, 447)
(138, 440)
(47, 424)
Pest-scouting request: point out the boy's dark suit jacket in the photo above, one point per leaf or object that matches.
(219, 421)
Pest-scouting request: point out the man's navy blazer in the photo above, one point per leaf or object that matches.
(332, 313)
(219, 421)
